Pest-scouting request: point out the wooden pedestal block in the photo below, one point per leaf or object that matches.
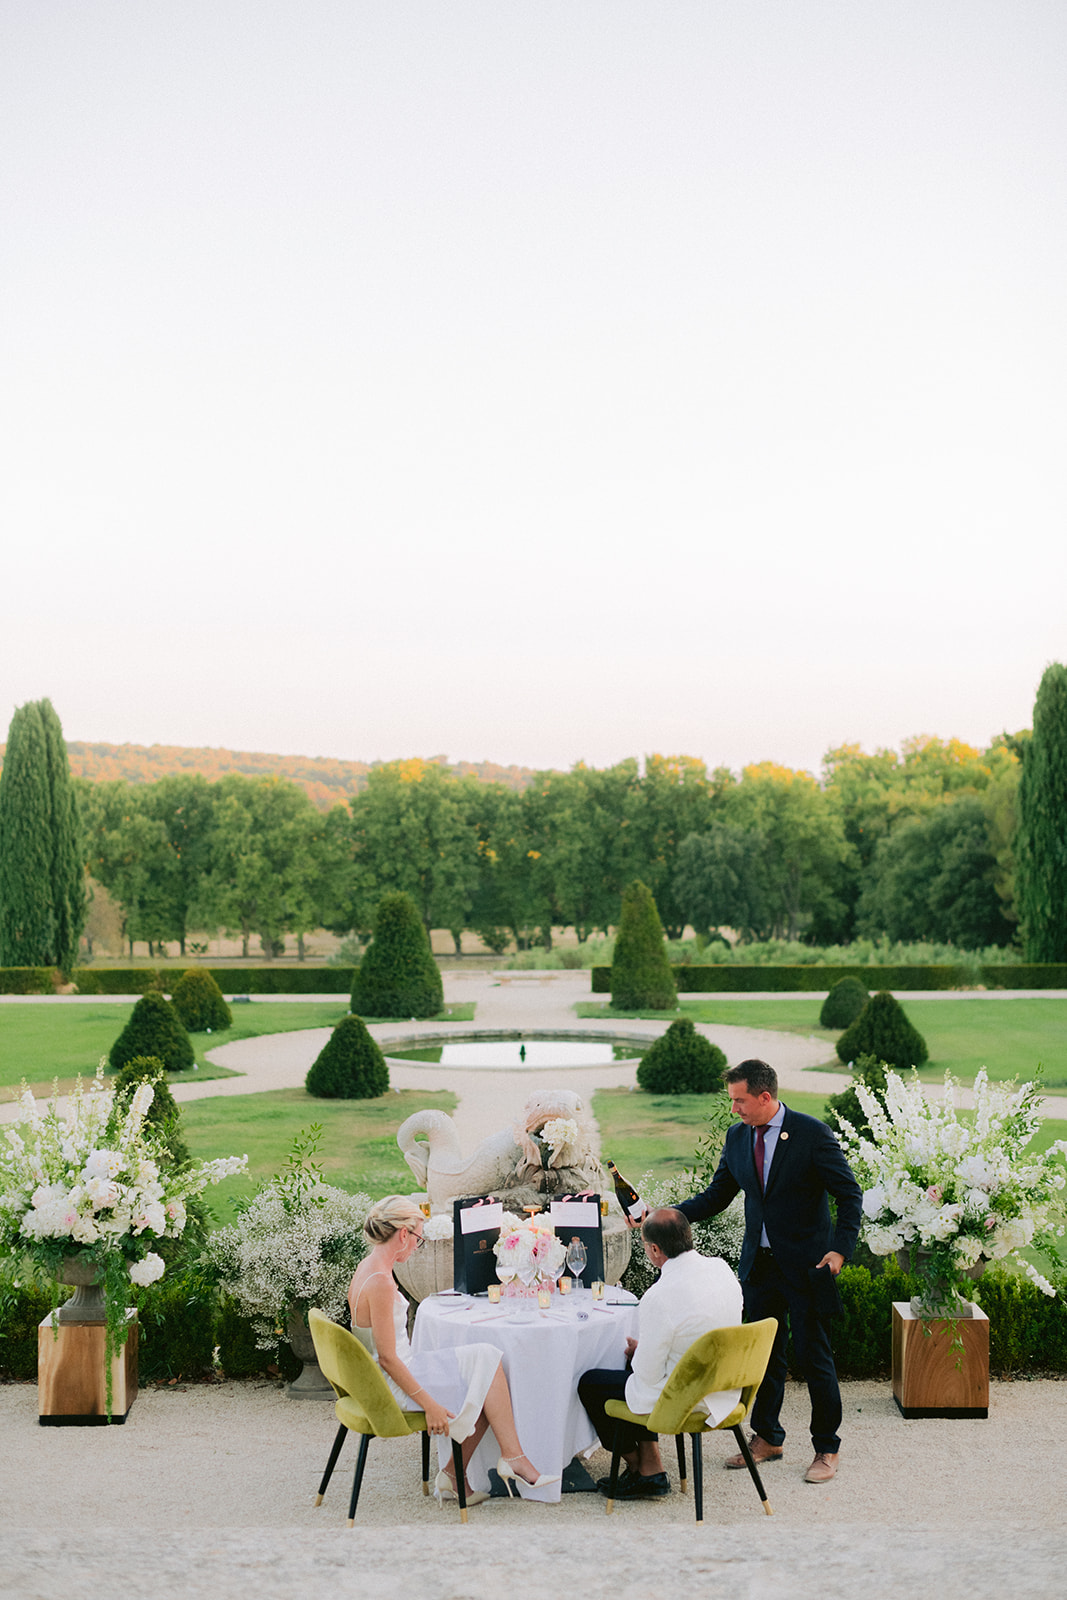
(926, 1380)
(71, 1376)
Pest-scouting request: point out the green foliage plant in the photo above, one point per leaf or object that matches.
(198, 1001)
(640, 970)
(398, 976)
(882, 1029)
(42, 882)
(682, 1061)
(349, 1066)
(847, 1105)
(1041, 844)
(154, 1029)
(843, 1004)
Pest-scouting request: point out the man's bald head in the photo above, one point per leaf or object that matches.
(669, 1231)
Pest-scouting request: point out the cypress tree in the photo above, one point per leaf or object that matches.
(1041, 842)
(641, 976)
(843, 1004)
(199, 1002)
(398, 976)
(42, 886)
(882, 1030)
(350, 1065)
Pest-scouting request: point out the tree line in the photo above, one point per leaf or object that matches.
(938, 841)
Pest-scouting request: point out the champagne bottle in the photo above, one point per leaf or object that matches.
(626, 1194)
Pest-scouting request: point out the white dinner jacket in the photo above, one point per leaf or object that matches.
(693, 1295)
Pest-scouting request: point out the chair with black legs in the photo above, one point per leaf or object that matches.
(725, 1358)
(365, 1405)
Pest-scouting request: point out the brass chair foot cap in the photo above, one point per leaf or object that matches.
(425, 1487)
(463, 1515)
(351, 1522)
(318, 1499)
(609, 1508)
(767, 1509)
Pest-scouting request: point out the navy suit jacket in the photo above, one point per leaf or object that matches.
(808, 1165)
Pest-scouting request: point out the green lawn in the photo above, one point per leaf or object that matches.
(358, 1149)
(1008, 1037)
(42, 1042)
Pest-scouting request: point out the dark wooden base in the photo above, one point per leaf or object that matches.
(72, 1379)
(930, 1378)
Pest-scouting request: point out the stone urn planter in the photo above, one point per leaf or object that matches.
(311, 1383)
(86, 1304)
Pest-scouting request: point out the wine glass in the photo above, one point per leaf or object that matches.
(577, 1256)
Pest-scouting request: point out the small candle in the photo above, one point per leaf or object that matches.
(598, 1289)
(424, 1207)
(603, 1207)
(494, 1294)
(543, 1299)
(564, 1286)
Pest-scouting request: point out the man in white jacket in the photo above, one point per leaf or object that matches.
(693, 1294)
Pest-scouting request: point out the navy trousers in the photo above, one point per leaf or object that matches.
(767, 1294)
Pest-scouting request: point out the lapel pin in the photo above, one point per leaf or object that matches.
(783, 1134)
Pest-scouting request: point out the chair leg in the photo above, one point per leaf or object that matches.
(679, 1440)
(357, 1481)
(738, 1434)
(698, 1476)
(616, 1452)
(461, 1487)
(334, 1453)
(425, 1462)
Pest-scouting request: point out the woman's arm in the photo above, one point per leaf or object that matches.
(379, 1296)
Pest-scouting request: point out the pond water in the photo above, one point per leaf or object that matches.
(497, 1054)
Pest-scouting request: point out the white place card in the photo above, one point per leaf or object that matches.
(472, 1219)
(575, 1214)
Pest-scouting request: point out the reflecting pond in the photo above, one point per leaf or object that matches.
(498, 1054)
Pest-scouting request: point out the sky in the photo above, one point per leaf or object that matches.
(533, 382)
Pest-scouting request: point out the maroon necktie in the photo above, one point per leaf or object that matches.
(758, 1155)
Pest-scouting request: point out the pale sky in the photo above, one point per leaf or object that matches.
(533, 382)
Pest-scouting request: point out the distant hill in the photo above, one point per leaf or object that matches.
(326, 780)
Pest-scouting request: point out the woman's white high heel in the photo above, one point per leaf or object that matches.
(444, 1489)
(508, 1477)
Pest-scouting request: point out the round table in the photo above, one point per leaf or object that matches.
(545, 1353)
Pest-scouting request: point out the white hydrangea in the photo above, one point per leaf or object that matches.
(439, 1227)
(147, 1271)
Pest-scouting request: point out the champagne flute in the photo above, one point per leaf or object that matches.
(577, 1256)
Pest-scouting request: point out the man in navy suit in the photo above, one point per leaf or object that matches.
(786, 1164)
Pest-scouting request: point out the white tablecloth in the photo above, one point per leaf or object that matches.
(544, 1356)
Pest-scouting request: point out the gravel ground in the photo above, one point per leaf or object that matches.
(209, 1491)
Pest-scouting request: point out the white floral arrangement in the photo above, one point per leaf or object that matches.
(561, 1136)
(528, 1250)
(438, 1227)
(958, 1192)
(94, 1184)
(296, 1244)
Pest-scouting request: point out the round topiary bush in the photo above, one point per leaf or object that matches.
(164, 1115)
(198, 1000)
(349, 1066)
(843, 1004)
(398, 976)
(154, 1029)
(682, 1061)
(882, 1030)
(641, 976)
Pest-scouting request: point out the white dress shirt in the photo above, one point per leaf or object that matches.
(771, 1130)
(693, 1295)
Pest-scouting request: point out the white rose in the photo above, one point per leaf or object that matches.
(147, 1271)
(439, 1227)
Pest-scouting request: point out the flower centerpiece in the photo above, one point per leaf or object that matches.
(295, 1244)
(528, 1250)
(87, 1194)
(949, 1194)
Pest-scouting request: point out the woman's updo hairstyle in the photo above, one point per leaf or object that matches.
(387, 1217)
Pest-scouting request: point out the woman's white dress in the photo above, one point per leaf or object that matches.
(458, 1379)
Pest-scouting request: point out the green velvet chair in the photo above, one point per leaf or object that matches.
(367, 1406)
(725, 1358)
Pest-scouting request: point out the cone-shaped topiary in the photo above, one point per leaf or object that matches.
(843, 1004)
(883, 1030)
(641, 977)
(398, 976)
(198, 1000)
(349, 1066)
(154, 1029)
(869, 1071)
(164, 1115)
(682, 1061)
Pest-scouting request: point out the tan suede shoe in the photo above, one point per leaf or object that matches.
(762, 1452)
(822, 1469)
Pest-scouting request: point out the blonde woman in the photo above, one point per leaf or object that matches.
(463, 1391)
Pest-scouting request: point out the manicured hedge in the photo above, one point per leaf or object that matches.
(27, 980)
(723, 978)
(231, 980)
